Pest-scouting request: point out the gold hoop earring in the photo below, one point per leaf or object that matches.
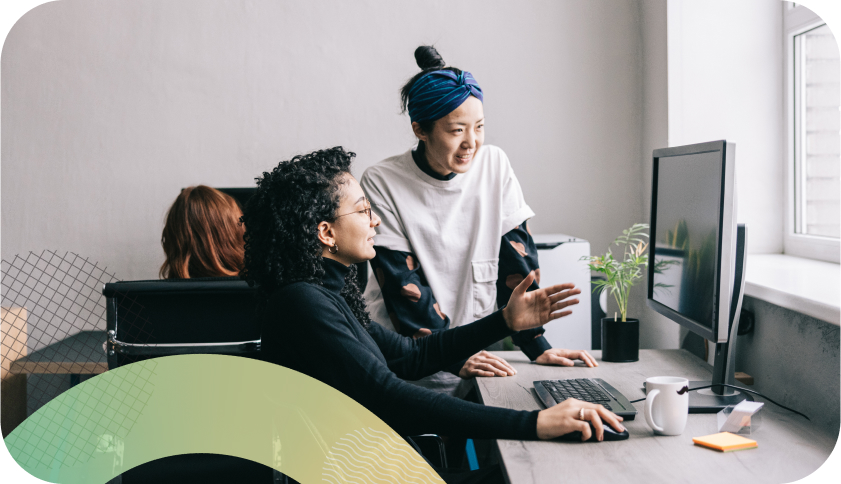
(334, 249)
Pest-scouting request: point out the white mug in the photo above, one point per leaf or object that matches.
(667, 404)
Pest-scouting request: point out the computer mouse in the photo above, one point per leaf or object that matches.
(610, 435)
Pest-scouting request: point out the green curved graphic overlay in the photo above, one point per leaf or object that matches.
(211, 404)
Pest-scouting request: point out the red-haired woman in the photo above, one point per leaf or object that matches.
(203, 236)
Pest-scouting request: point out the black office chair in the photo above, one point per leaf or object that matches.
(212, 315)
(147, 319)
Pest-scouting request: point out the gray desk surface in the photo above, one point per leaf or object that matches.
(790, 447)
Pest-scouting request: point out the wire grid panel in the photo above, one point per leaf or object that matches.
(95, 418)
(61, 296)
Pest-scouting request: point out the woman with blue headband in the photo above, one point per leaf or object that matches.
(454, 237)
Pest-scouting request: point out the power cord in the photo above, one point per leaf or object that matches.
(745, 390)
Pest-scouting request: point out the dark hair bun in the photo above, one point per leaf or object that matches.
(428, 58)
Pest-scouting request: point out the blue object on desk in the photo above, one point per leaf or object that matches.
(472, 459)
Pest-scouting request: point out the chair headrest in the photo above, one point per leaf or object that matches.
(198, 284)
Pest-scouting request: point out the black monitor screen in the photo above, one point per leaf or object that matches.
(685, 246)
(241, 195)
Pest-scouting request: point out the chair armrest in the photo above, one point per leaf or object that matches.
(437, 440)
(116, 346)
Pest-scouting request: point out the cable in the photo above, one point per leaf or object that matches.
(743, 389)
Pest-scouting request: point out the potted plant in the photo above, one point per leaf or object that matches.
(620, 337)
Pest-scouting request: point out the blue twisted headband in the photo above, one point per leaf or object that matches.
(439, 93)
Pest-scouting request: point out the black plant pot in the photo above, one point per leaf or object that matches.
(620, 340)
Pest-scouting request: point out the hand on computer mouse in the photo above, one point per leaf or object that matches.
(573, 415)
(610, 435)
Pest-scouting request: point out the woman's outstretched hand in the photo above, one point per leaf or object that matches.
(526, 310)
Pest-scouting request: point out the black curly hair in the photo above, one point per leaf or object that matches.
(281, 225)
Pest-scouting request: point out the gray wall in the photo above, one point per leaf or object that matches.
(110, 107)
(793, 359)
(655, 331)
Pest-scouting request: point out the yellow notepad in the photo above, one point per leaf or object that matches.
(725, 442)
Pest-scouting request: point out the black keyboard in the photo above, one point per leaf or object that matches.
(593, 390)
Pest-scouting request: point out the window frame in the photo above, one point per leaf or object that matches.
(798, 20)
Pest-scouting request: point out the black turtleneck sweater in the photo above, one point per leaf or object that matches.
(419, 157)
(311, 329)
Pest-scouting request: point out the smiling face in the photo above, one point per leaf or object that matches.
(352, 231)
(454, 140)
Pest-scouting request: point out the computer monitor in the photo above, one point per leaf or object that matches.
(696, 275)
(241, 195)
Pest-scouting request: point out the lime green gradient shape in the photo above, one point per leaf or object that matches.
(217, 405)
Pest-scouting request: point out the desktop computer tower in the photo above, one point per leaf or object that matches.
(560, 261)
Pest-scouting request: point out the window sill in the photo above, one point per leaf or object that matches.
(804, 285)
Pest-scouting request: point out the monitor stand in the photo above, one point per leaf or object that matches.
(707, 401)
(713, 400)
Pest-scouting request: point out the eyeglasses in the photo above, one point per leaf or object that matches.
(366, 210)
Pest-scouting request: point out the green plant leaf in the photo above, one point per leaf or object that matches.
(621, 275)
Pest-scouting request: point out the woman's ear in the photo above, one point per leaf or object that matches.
(416, 128)
(325, 234)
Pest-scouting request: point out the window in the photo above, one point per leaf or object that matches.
(813, 183)
(816, 144)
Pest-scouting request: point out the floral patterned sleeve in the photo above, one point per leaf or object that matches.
(408, 298)
(518, 257)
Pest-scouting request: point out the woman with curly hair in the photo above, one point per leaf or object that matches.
(307, 225)
(202, 236)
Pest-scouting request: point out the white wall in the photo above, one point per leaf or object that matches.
(655, 331)
(109, 107)
(792, 357)
(726, 82)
